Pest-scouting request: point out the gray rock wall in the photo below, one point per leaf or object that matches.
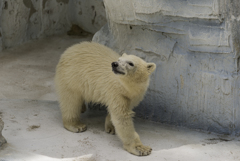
(22, 20)
(195, 45)
(2, 139)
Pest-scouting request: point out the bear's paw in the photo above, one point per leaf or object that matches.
(143, 150)
(75, 127)
(140, 150)
(110, 129)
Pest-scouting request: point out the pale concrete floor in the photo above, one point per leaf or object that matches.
(34, 130)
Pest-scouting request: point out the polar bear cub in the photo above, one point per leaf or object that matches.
(90, 72)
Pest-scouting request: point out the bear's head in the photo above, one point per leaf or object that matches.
(133, 68)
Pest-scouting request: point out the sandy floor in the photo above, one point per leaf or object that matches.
(34, 130)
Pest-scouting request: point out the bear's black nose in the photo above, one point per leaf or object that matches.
(114, 64)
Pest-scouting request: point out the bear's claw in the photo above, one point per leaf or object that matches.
(139, 150)
(76, 128)
(144, 150)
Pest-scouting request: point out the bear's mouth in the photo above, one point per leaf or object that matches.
(117, 72)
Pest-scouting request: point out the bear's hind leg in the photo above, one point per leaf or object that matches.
(84, 108)
(109, 128)
(71, 107)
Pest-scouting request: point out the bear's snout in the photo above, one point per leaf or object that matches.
(114, 64)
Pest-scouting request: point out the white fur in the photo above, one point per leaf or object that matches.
(84, 74)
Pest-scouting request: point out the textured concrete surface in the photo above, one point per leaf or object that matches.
(23, 20)
(195, 45)
(34, 130)
(2, 139)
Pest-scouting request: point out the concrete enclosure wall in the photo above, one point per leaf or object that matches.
(195, 44)
(22, 20)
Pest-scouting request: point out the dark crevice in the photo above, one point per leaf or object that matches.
(5, 5)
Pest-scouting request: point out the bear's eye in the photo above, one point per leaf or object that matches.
(131, 64)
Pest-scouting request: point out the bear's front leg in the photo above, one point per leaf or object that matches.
(71, 108)
(125, 130)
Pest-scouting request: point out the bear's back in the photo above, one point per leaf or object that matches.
(88, 52)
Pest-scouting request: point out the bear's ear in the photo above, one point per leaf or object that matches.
(124, 54)
(151, 67)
